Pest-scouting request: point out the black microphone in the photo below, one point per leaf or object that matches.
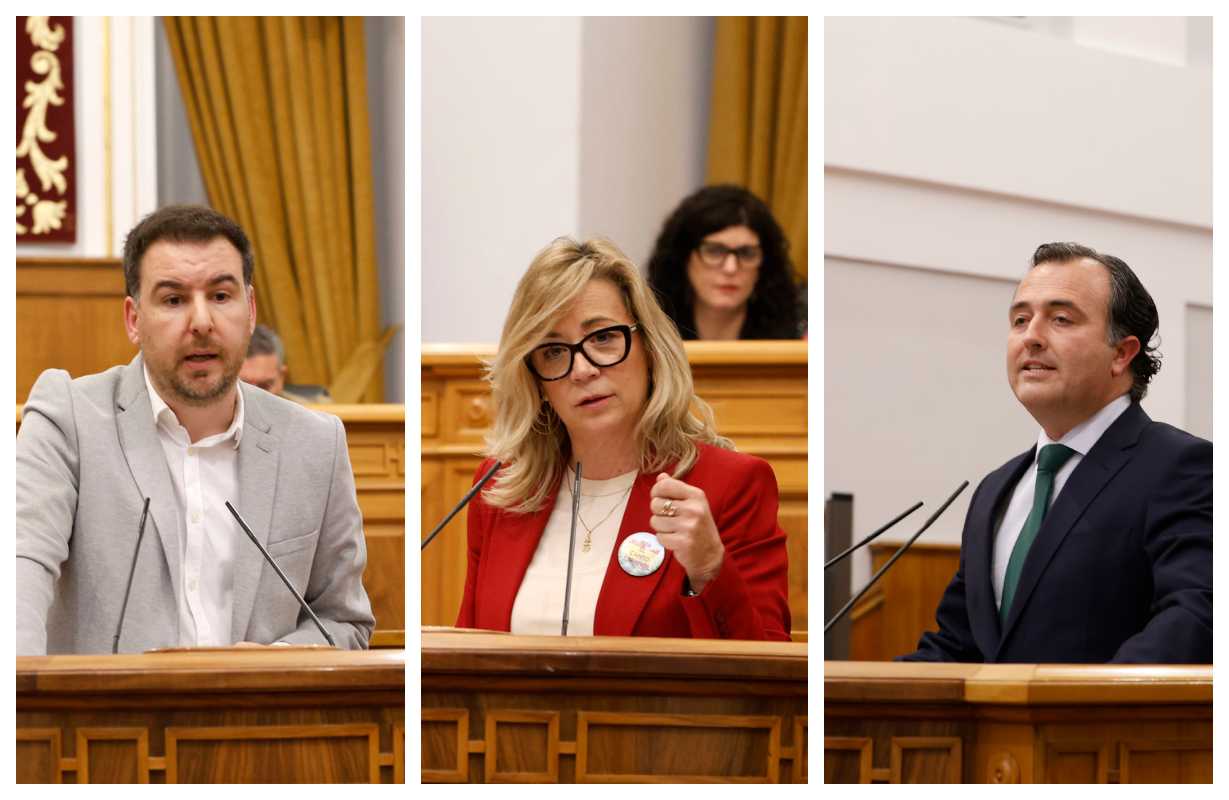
(567, 590)
(473, 490)
(895, 556)
(280, 574)
(131, 571)
(868, 539)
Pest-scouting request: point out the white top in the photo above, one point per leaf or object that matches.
(539, 602)
(1081, 439)
(205, 475)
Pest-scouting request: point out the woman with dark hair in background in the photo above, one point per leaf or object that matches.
(721, 268)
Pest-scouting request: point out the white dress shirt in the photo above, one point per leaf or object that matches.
(539, 602)
(205, 475)
(1081, 439)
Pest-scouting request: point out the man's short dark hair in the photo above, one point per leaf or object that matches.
(1132, 311)
(265, 342)
(182, 223)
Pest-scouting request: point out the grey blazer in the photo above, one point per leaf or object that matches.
(87, 456)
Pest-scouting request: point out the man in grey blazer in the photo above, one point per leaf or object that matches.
(175, 426)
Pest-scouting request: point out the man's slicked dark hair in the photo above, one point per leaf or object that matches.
(181, 223)
(1132, 312)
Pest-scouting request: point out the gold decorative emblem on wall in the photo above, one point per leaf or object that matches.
(46, 207)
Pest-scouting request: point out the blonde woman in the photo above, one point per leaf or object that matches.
(677, 533)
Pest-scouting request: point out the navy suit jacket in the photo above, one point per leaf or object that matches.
(1121, 570)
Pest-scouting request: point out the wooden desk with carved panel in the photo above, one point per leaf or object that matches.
(375, 435)
(546, 709)
(758, 391)
(1016, 723)
(212, 716)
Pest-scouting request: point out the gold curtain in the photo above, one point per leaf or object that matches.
(758, 119)
(278, 110)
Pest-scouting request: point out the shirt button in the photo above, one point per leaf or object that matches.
(196, 517)
(192, 585)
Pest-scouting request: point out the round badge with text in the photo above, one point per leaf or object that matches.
(641, 554)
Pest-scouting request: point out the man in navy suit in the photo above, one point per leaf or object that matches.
(1096, 545)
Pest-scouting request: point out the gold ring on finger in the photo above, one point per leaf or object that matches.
(668, 509)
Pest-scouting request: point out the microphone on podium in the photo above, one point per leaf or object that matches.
(567, 587)
(473, 490)
(845, 609)
(302, 603)
(843, 554)
(119, 627)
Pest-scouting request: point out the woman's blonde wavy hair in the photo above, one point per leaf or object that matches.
(528, 436)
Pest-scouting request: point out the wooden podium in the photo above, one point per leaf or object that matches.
(550, 709)
(261, 715)
(1016, 723)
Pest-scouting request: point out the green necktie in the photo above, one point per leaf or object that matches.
(1049, 461)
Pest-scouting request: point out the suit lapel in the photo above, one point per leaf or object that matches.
(257, 485)
(138, 440)
(979, 561)
(1107, 457)
(623, 597)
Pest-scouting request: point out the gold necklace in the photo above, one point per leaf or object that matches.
(588, 542)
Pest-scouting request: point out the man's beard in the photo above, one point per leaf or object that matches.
(195, 395)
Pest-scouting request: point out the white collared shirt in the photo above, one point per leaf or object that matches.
(205, 475)
(1081, 439)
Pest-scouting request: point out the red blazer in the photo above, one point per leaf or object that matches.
(747, 599)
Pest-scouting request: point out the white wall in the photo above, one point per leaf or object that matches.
(645, 85)
(953, 147)
(535, 128)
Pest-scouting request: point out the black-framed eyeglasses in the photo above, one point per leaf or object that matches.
(713, 254)
(602, 348)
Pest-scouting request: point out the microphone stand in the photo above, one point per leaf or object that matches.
(867, 540)
(131, 572)
(302, 603)
(464, 501)
(567, 591)
(895, 556)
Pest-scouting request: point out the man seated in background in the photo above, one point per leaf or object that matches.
(265, 367)
(175, 428)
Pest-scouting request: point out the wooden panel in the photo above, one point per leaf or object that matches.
(618, 709)
(445, 481)
(445, 745)
(758, 391)
(1179, 761)
(892, 617)
(1023, 723)
(847, 759)
(658, 748)
(37, 755)
(1076, 762)
(223, 715)
(56, 299)
(926, 759)
(522, 747)
(800, 750)
(112, 755)
(278, 753)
